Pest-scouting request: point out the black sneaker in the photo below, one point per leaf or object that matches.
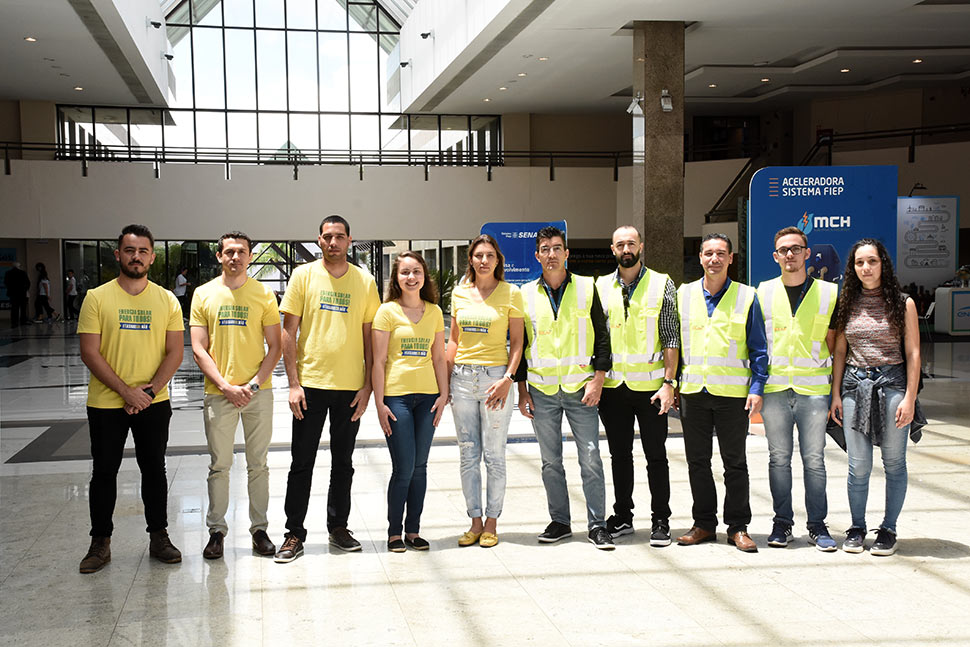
(600, 538)
(291, 549)
(780, 535)
(660, 533)
(885, 543)
(855, 540)
(617, 526)
(554, 532)
(343, 539)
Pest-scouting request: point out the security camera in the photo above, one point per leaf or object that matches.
(426, 35)
(156, 24)
(405, 63)
(168, 57)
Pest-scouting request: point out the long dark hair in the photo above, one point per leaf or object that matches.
(499, 272)
(429, 291)
(891, 292)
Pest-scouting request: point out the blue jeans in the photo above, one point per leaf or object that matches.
(480, 431)
(893, 448)
(409, 444)
(584, 423)
(782, 411)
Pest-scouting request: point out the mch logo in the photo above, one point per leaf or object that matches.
(809, 222)
(805, 223)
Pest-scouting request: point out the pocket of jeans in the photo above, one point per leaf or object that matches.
(495, 372)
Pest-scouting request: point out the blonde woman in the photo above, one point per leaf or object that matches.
(485, 311)
(410, 389)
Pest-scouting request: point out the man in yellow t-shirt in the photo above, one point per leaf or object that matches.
(327, 313)
(131, 340)
(231, 316)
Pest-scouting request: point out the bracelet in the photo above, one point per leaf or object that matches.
(150, 391)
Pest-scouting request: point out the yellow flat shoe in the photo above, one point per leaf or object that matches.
(488, 540)
(468, 538)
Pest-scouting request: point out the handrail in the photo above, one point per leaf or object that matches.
(829, 140)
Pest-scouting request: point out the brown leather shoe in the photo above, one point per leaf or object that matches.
(161, 548)
(743, 542)
(99, 554)
(262, 543)
(213, 550)
(696, 536)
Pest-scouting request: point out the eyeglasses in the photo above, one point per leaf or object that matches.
(794, 249)
(545, 250)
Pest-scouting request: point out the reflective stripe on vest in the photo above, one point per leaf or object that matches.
(634, 331)
(560, 347)
(714, 348)
(798, 357)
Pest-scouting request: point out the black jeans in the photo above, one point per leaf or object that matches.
(18, 312)
(701, 415)
(303, 450)
(618, 408)
(109, 431)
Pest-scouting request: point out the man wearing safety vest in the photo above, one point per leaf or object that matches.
(567, 356)
(641, 312)
(800, 314)
(724, 368)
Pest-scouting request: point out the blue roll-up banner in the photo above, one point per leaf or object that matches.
(518, 243)
(834, 205)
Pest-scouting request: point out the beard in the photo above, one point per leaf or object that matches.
(131, 271)
(627, 260)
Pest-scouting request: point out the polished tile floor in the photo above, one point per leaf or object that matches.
(518, 592)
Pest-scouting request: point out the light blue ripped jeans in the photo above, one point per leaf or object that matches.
(481, 432)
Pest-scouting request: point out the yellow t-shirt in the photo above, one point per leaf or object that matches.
(483, 326)
(235, 321)
(330, 346)
(409, 367)
(132, 330)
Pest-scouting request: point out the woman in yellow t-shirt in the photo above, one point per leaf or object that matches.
(485, 309)
(410, 382)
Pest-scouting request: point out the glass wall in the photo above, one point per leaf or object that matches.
(278, 79)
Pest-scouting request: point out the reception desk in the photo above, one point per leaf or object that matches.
(952, 314)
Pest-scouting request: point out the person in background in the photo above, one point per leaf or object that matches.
(70, 296)
(485, 311)
(875, 379)
(43, 304)
(181, 286)
(17, 283)
(410, 379)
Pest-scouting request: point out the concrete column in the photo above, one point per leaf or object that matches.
(658, 145)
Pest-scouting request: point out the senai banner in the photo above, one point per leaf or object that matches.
(518, 243)
(834, 205)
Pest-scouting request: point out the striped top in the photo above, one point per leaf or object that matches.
(872, 340)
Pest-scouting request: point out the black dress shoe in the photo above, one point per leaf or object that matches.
(213, 550)
(262, 543)
(396, 545)
(417, 543)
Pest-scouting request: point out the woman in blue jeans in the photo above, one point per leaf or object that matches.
(875, 375)
(410, 389)
(485, 312)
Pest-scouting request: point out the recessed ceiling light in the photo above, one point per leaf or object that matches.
(30, 39)
(543, 58)
(917, 60)
(712, 85)
(78, 88)
(844, 70)
(522, 74)
(503, 88)
(486, 99)
(765, 80)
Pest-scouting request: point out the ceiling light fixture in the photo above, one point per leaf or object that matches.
(917, 60)
(844, 70)
(78, 88)
(543, 58)
(765, 80)
(30, 39)
(521, 74)
(486, 99)
(503, 88)
(712, 85)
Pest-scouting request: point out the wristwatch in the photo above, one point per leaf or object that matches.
(510, 377)
(672, 383)
(254, 387)
(150, 391)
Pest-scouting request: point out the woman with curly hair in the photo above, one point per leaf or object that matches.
(875, 378)
(410, 390)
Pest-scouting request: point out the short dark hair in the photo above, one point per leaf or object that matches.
(136, 230)
(338, 219)
(548, 232)
(788, 231)
(717, 236)
(238, 235)
(639, 237)
(429, 291)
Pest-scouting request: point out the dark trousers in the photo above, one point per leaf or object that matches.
(303, 452)
(618, 409)
(703, 414)
(410, 444)
(109, 431)
(18, 312)
(42, 306)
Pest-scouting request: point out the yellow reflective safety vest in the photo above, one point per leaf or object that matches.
(715, 349)
(798, 357)
(560, 348)
(634, 335)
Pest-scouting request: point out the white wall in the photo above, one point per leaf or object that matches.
(142, 44)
